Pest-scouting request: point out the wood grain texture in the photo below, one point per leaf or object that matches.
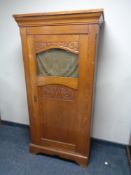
(66, 42)
(60, 108)
(57, 18)
(70, 82)
(74, 12)
(80, 159)
(65, 29)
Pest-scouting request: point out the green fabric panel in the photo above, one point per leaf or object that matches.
(57, 62)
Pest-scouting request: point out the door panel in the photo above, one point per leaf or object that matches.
(58, 111)
(59, 92)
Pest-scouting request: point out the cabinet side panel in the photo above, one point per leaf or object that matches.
(25, 50)
(92, 62)
(82, 142)
(86, 86)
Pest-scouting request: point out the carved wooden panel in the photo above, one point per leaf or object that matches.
(57, 92)
(72, 46)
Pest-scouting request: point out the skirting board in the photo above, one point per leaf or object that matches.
(129, 154)
(92, 138)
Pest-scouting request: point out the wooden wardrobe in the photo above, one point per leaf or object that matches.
(59, 52)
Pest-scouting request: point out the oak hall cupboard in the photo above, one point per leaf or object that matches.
(59, 53)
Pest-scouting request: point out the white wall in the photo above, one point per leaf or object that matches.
(112, 118)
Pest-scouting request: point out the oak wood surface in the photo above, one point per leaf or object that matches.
(60, 18)
(65, 29)
(89, 11)
(67, 42)
(70, 82)
(60, 108)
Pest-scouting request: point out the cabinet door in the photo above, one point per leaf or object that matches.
(58, 66)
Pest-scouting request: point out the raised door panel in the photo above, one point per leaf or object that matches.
(58, 111)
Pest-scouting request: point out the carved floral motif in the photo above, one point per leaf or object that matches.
(58, 92)
(72, 45)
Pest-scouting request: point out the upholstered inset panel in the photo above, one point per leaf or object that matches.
(57, 62)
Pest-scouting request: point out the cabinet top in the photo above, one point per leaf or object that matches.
(63, 17)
